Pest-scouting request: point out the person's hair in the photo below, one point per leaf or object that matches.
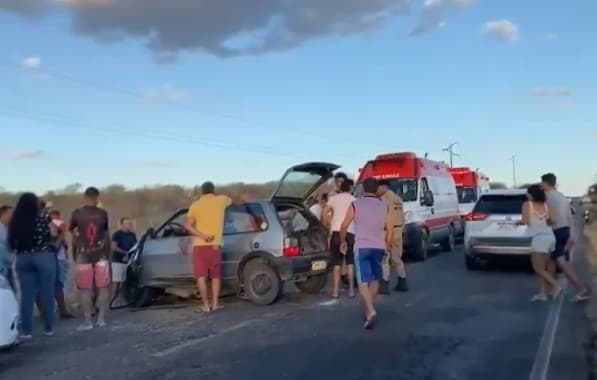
(4, 209)
(384, 182)
(124, 219)
(536, 193)
(92, 192)
(324, 197)
(339, 175)
(370, 185)
(346, 185)
(55, 213)
(22, 226)
(208, 188)
(549, 179)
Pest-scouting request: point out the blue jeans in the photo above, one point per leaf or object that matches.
(37, 275)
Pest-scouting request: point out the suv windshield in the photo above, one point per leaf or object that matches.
(407, 189)
(501, 204)
(466, 194)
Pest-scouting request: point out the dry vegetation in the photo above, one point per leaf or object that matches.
(148, 206)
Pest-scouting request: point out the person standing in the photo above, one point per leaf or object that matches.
(205, 222)
(122, 241)
(62, 265)
(373, 227)
(6, 256)
(30, 235)
(92, 255)
(334, 214)
(394, 254)
(536, 215)
(562, 228)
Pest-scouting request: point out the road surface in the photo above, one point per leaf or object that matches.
(454, 324)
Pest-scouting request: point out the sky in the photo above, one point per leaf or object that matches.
(140, 92)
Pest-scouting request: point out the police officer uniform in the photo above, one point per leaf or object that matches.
(394, 256)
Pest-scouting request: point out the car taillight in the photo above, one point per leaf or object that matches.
(476, 216)
(291, 248)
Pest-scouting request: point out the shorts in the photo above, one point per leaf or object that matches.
(562, 236)
(119, 272)
(368, 264)
(62, 267)
(207, 261)
(97, 274)
(336, 256)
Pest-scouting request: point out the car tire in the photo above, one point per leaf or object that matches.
(262, 284)
(421, 251)
(471, 263)
(313, 284)
(135, 295)
(449, 243)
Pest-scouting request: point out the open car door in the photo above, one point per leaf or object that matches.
(299, 182)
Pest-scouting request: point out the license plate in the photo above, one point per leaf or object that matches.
(318, 265)
(506, 226)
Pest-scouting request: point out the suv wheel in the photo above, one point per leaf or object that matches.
(262, 284)
(471, 263)
(422, 249)
(448, 244)
(313, 284)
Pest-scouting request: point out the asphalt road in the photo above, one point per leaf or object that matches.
(454, 324)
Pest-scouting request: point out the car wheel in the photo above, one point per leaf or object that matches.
(422, 249)
(471, 263)
(136, 295)
(262, 284)
(313, 284)
(448, 244)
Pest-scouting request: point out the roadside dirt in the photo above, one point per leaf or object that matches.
(591, 309)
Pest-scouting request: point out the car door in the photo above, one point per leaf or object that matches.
(168, 257)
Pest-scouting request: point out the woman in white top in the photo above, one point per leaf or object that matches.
(536, 215)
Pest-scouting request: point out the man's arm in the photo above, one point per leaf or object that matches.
(526, 214)
(348, 218)
(115, 244)
(72, 227)
(191, 226)
(390, 218)
(326, 215)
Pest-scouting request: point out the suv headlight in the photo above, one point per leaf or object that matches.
(408, 217)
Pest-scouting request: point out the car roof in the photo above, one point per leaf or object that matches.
(505, 192)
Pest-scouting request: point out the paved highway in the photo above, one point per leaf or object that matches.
(454, 324)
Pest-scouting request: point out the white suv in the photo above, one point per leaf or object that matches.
(491, 229)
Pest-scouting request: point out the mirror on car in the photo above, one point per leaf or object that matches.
(428, 198)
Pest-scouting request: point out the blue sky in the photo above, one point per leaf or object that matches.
(82, 103)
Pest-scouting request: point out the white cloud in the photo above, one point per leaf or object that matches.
(167, 92)
(27, 154)
(31, 63)
(551, 92)
(502, 29)
(433, 14)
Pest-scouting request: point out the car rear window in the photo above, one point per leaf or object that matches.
(500, 204)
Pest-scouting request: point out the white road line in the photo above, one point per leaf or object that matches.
(543, 355)
(191, 342)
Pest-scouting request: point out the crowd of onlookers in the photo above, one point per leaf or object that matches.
(37, 248)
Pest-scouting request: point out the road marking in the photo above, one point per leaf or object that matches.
(543, 355)
(191, 342)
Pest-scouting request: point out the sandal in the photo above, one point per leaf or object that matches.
(370, 322)
(581, 296)
(539, 298)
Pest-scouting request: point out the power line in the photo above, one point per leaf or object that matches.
(513, 158)
(450, 150)
(189, 107)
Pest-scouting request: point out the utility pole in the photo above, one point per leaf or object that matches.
(513, 158)
(450, 150)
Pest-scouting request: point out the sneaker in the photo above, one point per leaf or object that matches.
(402, 285)
(49, 333)
(25, 337)
(581, 296)
(85, 327)
(539, 298)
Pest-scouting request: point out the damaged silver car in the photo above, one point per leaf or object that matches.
(266, 244)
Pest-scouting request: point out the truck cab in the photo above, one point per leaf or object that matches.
(429, 196)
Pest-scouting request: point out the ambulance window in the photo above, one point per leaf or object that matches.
(424, 186)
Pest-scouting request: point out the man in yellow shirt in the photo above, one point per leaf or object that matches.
(205, 222)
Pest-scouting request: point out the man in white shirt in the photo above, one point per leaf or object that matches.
(333, 216)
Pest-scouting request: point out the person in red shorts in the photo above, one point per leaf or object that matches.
(92, 254)
(205, 222)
